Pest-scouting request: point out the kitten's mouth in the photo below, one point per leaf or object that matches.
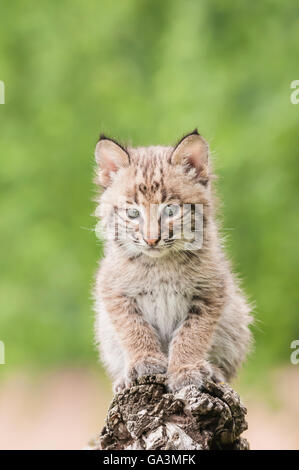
(156, 251)
(153, 248)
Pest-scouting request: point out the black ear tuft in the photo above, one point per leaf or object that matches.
(193, 151)
(104, 137)
(195, 132)
(110, 157)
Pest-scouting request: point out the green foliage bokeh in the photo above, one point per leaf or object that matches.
(144, 72)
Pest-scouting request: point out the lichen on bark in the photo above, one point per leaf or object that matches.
(146, 416)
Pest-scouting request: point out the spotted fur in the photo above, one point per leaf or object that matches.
(166, 309)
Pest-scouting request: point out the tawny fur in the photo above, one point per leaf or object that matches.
(166, 310)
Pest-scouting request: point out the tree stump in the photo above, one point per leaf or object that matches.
(148, 417)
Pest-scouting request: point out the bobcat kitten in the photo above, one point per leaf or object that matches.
(165, 305)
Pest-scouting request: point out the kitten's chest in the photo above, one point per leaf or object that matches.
(164, 305)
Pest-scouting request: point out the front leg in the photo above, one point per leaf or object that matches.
(139, 340)
(188, 350)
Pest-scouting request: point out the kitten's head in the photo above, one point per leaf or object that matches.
(155, 198)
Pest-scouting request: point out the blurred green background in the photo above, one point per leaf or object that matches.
(145, 72)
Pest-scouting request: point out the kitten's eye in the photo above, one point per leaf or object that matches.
(133, 213)
(171, 210)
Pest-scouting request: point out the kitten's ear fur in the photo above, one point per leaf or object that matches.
(193, 151)
(110, 156)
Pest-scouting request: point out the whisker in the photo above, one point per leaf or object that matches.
(89, 229)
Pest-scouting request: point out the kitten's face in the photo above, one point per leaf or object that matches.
(154, 200)
(153, 228)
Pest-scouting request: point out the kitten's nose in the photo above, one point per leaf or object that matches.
(151, 241)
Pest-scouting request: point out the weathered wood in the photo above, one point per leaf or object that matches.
(147, 417)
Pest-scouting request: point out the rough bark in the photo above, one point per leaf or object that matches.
(147, 417)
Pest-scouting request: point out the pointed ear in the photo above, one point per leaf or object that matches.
(193, 151)
(110, 157)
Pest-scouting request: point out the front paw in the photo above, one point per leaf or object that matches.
(190, 375)
(119, 385)
(146, 366)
